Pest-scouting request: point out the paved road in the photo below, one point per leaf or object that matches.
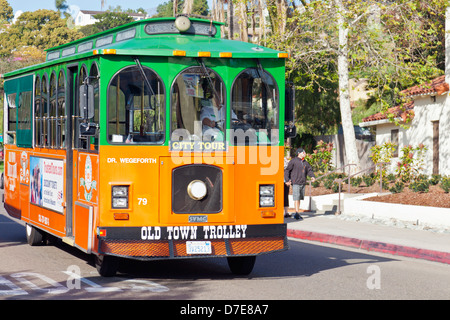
(307, 271)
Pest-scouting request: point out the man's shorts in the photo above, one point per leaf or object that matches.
(298, 192)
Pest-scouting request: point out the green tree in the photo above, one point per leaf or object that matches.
(6, 12)
(42, 29)
(61, 5)
(200, 7)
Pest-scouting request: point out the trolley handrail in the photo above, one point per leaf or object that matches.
(350, 176)
(327, 174)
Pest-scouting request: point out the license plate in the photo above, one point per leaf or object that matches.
(198, 247)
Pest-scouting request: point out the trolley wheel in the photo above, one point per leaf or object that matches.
(106, 265)
(35, 237)
(241, 265)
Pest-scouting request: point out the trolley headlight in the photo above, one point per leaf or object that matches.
(197, 190)
(267, 195)
(119, 197)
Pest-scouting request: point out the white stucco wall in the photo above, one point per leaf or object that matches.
(83, 19)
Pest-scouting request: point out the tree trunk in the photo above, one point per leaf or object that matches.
(188, 4)
(230, 19)
(174, 8)
(262, 22)
(243, 20)
(344, 92)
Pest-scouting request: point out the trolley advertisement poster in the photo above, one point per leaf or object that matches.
(47, 183)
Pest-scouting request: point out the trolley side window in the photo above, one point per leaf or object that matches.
(254, 99)
(94, 80)
(61, 111)
(19, 93)
(44, 105)
(51, 120)
(24, 131)
(37, 112)
(12, 118)
(136, 107)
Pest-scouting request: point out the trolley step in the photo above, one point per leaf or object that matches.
(69, 240)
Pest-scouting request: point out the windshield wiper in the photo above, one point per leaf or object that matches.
(261, 74)
(144, 76)
(210, 83)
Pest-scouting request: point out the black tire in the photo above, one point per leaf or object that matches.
(35, 237)
(241, 266)
(106, 265)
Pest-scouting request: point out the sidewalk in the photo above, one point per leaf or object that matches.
(332, 229)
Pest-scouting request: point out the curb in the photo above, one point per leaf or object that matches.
(405, 251)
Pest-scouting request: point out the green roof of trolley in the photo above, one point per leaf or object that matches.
(155, 37)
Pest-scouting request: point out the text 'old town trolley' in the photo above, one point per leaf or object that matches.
(153, 140)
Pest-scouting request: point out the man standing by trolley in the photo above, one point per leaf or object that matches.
(295, 175)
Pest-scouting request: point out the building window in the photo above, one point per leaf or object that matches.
(394, 140)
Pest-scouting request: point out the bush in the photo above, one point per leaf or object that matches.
(435, 178)
(391, 177)
(328, 183)
(385, 183)
(355, 181)
(335, 187)
(412, 161)
(397, 188)
(315, 184)
(320, 158)
(421, 185)
(445, 184)
(368, 180)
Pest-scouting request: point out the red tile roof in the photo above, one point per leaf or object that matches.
(436, 86)
(397, 111)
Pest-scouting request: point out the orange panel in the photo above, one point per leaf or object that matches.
(83, 225)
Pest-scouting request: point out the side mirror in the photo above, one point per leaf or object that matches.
(289, 105)
(86, 101)
(290, 131)
(88, 129)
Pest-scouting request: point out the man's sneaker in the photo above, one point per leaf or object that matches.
(297, 216)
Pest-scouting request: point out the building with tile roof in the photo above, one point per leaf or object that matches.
(428, 108)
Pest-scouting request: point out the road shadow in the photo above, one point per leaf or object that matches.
(12, 232)
(302, 259)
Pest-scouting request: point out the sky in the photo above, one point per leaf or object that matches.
(75, 5)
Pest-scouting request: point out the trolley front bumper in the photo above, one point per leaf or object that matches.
(149, 243)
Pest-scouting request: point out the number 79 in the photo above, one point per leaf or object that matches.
(142, 201)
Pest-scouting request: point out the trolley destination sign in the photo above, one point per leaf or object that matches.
(206, 232)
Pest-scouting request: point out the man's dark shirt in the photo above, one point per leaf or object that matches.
(297, 170)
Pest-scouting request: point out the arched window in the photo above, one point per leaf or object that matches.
(45, 113)
(254, 100)
(61, 111)
(198, 106)
(52, 112)
(37, 112)
(94, 81)
(80, 142)
(135, 110)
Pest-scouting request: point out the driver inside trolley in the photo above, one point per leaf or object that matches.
(213, 113)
